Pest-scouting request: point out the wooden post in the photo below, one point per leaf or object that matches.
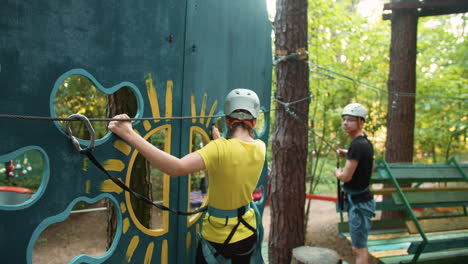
(401, 90)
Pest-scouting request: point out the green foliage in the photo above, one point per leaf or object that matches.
(78, 95)
(349, 62)
(442, 69)
(157, 176)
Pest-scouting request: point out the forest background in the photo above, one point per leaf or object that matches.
(349, 48)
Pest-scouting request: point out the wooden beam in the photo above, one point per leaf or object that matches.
(442, 11)
(433, 198)
(439, 224)
(426, 4)
(388, 191)
(428, 8)
(439, 245)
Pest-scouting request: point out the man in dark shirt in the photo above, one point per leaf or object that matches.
(356, 177)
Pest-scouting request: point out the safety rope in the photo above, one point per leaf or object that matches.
(301, 54)
(8, 116)
(47, 118)
(287, 105)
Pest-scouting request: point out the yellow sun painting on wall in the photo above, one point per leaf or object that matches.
(200, 121)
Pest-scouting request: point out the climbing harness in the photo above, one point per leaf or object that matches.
(352, 206)
(89, 153)
(213, 256)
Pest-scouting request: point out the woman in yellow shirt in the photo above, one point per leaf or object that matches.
(234, 166)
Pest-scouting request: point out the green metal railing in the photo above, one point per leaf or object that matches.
(409, 209)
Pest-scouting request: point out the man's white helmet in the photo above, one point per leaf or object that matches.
(242, 99)
(355, 110)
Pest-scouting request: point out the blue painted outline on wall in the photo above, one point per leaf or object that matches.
(111, 90)
(45, 177)
(64, 215)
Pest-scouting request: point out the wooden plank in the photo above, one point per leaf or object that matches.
(388, 205)
(439, 224)
(389, 191)
(384, 224)
(418, 173)
(445, 257)
(440, 245)
(389, 253)
(389, 247)
(433, 197)
(392, 238)
(448, 208)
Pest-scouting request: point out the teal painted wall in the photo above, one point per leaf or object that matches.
(203, 48)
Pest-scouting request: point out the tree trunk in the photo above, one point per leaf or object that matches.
(123, 101)
(401, 90)
(289, 141)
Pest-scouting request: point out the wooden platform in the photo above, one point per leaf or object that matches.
(393, 247)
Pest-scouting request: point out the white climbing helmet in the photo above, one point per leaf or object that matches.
(355, 110)
(242, 99)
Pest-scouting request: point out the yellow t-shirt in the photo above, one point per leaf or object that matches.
(234, 167)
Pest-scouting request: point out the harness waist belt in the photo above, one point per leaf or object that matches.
(220, 213)
(356, 192)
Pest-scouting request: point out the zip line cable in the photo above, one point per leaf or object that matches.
(349, 78)
(7, 116)
(287, 105)
(331, 74)
(29, 117)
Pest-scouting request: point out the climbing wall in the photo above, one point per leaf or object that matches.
(179, 58)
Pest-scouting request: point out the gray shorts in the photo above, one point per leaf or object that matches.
(359, 219)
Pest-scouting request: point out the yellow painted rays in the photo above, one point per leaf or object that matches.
(202, 110)
(200, 122)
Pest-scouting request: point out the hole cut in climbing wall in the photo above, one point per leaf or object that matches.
(154, 185)
(78, 95)
(85, 231)
(21, 176)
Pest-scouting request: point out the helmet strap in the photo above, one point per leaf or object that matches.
(247, 122)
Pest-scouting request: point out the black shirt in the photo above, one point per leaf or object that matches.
(361, 149)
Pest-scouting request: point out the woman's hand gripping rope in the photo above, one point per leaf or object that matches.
(121, 128)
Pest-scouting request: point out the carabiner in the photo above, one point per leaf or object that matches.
(90, 128)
